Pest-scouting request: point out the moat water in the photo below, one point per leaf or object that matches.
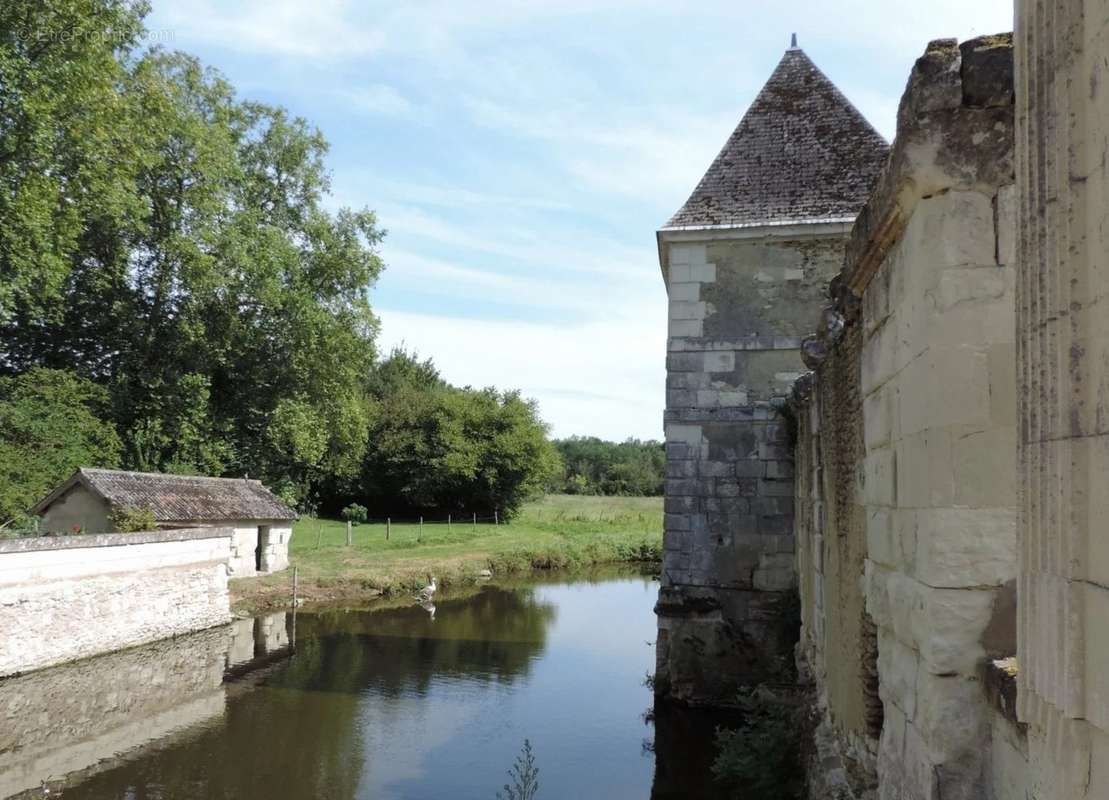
(402, 702)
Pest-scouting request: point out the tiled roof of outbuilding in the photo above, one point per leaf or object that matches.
(801, 153)
(178, 498)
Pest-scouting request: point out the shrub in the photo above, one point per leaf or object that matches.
(131, 520)
(761, 760)
(355, 514)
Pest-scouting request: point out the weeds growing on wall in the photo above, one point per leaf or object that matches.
(761, 759)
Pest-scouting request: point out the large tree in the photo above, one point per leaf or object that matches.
(192, 268)
(50, 424)
(433, 446)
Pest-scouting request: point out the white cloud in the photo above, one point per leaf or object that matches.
(566, 131)
(379, 99)
(602, 378)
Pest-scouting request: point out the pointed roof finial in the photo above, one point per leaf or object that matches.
(793, 41)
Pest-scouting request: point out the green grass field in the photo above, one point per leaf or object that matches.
(559, 531)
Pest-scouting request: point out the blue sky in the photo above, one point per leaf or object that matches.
(522, 154)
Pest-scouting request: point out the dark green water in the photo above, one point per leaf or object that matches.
(388, 703)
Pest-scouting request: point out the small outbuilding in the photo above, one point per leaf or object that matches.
(263, 523)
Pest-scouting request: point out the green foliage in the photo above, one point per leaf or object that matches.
(524, 776)
(435, 446)
(355, 514)
(51, 422)
(131, 520)
(761, 759)
(594, 466)
(61, 119)
(170, 242)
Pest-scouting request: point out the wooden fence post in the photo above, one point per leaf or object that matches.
(420, 535)
(496, 517)
(448, 523)
(349, 537)
(388, 527)
(475, 522)
(319, 534)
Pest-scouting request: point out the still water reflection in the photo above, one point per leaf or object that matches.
(404, 702)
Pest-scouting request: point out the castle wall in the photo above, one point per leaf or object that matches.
(906, 523)
(1063, 353)
(738, 300)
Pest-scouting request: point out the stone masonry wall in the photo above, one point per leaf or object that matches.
(838, 649)
(737, 303)
(926, 304)
(1063, 376)
(69, 597)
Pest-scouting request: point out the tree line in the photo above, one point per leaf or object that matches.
(599, 467)
(175, 296)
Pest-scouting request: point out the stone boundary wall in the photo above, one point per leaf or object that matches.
(69, 597)
(907, 538)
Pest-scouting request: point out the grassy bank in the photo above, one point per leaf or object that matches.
(559, 531)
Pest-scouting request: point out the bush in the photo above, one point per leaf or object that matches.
(761, 760)
(355, 514)
(132, 520)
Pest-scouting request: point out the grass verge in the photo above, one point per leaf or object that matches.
(557, 532)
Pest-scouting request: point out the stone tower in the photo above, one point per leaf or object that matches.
(746, 261)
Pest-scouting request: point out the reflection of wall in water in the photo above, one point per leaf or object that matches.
(62, 720)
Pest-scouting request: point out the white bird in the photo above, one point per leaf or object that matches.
(425, 594)
(429, 607)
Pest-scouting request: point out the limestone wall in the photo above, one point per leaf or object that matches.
(907, 436)
(738, 300)
(1063, 330)
(68, 597)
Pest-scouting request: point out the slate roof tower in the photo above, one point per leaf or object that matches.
(746, 261)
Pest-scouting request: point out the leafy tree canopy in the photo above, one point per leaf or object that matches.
(50, 424)
(596, 466)
(168, 241)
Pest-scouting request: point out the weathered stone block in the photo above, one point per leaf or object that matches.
(685, 328)
(935, 83)
(951, 720)
(685, 434)
(924, 470)
(683, 362)
(681, 469)
(880, 477)
(751, 468)
(985, 468)
(779, 470)
(679, 398)
(882, 546)
(683, 310)
(775, 524)
(687, 254)
(685, 292)
(897, 669)
(987, 71)
(947, 627)
(952, 229)
(1007, 225)
(683, 487)
(703, 273)
(680, 505)
(961, 547)
(719, 361)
